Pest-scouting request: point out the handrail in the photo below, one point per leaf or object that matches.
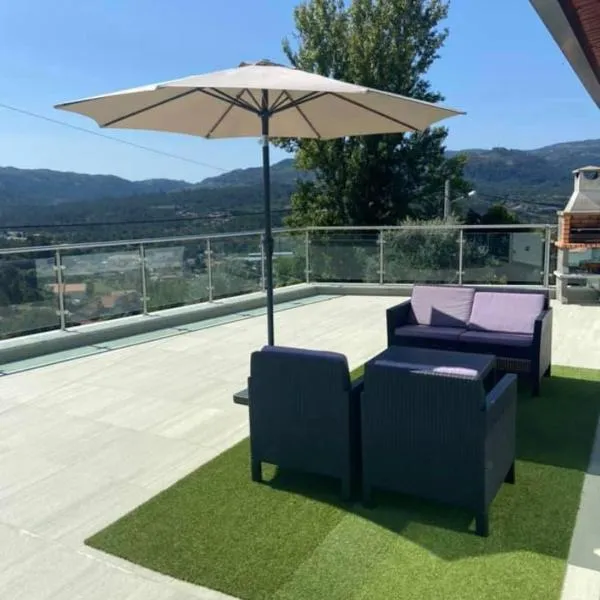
(258, 232)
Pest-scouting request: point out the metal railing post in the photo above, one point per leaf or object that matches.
(262, 262)
(144, 280)
(61, 289)
(307, 256)
(381, 242)
(209, 269)
(547, 248)
(461, 247)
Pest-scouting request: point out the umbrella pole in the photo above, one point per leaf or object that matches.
(268, 237)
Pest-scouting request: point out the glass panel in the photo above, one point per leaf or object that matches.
(28, 294)
(421, 255)
(495, 257)
(351, 256)
(102, 283)
(236, 265)
(289, 259)
(176, 274)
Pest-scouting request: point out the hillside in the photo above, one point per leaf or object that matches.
(534, 183)
(43, 186)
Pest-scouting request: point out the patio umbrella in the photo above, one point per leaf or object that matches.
(260, 99)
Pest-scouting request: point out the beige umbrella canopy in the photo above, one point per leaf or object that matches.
(261, 99)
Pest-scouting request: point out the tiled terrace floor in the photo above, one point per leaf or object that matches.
(82, 442)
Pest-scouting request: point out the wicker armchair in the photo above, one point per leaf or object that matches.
(440, 437)
(304, 413)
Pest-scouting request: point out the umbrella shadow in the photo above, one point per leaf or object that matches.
(555, 436)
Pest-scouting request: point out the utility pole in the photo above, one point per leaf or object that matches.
(446, 199)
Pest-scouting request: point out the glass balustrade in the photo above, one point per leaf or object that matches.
(503, 257)
(348, 256)
(176, 274)
(289, 258)
(236, 265)
(421, 255)
(101, 282)
(29, 293)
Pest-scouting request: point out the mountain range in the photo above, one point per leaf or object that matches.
(534, 183)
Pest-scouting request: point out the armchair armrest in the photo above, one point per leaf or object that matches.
(502, 397)
(356, 388)
(542, 338)
(395, 317)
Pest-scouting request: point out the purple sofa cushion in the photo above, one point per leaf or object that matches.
(441, 306)
(429, 332)
(505, 312)
(496, 338)
(439, 370)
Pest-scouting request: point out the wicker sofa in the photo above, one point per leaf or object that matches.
(304, 413)
(441, 437)
(515, 326)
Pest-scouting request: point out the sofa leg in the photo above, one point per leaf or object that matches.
(535, 387)
(510, 476)
(548, 372)
(482, 524)
(256, 468)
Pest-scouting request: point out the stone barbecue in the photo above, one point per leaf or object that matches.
(578, 260)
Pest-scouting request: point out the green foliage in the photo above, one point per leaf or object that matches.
(379, 179)
(497, 214)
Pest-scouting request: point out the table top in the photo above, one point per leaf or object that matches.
(482, 363)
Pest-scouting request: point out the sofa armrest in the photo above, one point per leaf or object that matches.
(542, 339)
(396, 316)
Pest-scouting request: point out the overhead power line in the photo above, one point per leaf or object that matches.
(113, 139)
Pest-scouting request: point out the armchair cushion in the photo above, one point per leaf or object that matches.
(441, 306)
(505, 312)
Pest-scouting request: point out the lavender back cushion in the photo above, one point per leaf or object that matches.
(508, 313)
(441, 306)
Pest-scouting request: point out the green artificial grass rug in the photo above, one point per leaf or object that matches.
(292, 538)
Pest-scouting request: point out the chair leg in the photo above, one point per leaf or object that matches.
(346, 489)
(482, 524)
(256, 468)
(367, 495)
(510, 476)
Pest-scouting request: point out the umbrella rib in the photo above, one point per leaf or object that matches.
(222, 117)
(146, 108)
(256, 102)
(223, 97)
(308, 121)
(374, 111)
(306, 98)
(279, 98)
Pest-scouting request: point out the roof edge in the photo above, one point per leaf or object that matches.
(568, 40)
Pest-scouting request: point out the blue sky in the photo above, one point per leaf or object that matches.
(499, 64)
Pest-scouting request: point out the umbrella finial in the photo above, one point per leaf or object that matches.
(264, 62)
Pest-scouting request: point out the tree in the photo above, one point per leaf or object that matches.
(496, 214)
(379, 179)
